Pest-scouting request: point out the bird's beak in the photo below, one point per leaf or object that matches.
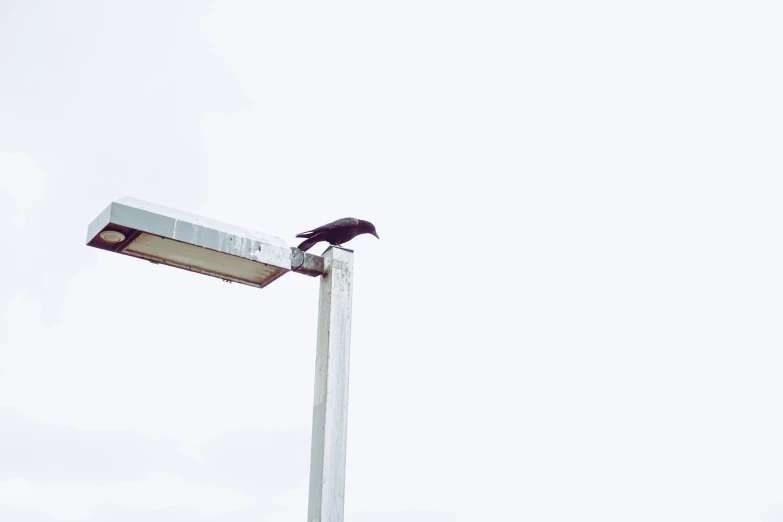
(374, 233)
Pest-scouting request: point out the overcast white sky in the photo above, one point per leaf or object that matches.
(573, 313)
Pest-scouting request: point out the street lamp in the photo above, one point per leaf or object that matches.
(171, 237)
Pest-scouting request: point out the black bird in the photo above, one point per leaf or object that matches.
(337, 232)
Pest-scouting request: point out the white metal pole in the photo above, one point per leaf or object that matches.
(330, 407)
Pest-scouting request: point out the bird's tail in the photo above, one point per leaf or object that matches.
(308, 243)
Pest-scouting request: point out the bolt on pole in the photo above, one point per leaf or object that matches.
(330, 405)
